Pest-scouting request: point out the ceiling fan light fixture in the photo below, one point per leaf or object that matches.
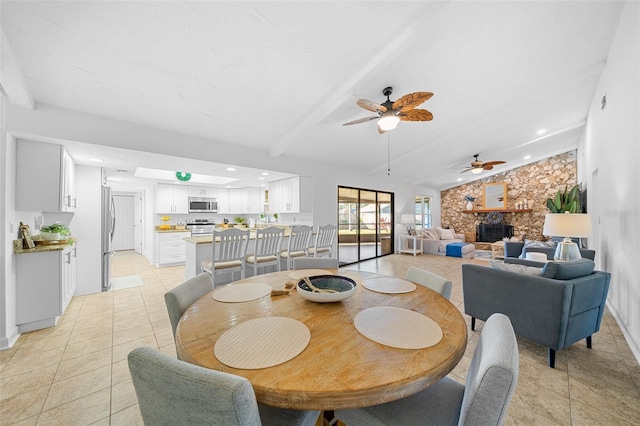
(388, 122)
(477, 170)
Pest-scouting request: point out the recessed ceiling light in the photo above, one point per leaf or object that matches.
(260, 178)
(113, 179)
(231, 169)
(265, 174)
(459, 179)
(526, 157)
(97, 160)
(541, 132)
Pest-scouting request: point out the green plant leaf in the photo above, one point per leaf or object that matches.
(551, 206)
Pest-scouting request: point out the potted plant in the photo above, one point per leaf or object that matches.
(239, 221)
(565, 201)
(55, 232)
(469, 199)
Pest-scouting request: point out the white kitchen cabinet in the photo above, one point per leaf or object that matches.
(170, 248)
(235, 201)
(293, 195)
(251, 201)
(45, 283)
(45, 178)
(223, 201)
(203, 192)
(172, 198)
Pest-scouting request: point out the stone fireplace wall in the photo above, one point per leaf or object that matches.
(534, 183)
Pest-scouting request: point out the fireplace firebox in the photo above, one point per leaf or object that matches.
(490, 233)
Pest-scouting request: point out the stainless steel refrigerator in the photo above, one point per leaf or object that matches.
(108, 227)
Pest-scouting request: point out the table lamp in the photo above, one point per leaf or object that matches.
(567, 225)
(408, 219)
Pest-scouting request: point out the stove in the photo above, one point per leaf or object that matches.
(200, 226)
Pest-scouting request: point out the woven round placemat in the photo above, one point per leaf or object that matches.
(262, 342)
(398, 328)
(236, 293)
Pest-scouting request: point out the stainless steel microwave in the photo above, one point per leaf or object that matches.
(203, 205)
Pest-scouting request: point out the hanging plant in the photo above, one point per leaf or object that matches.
(183, 176)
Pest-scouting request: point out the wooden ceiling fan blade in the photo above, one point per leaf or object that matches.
(371, 106)
(416, 115)
(361, 120)
(487, 167)
(467, 170)
(411, 100)
(493, 163)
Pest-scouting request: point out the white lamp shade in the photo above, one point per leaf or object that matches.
(573, 225)
(388, 122)
(408, 219)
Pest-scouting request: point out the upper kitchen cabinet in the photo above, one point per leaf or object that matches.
(251, 201)
(293, 195)
(172, 198)
(229, 201)
(45, 178)
(203, 192)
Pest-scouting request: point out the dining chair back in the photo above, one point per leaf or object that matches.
(228, 253)
(324, 240)
(267, 251)
(171, 391)
(298, 244)
(483, 400)
(430, 280)
(315, 263)
(181, 297)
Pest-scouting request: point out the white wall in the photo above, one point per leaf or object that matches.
(609, 166)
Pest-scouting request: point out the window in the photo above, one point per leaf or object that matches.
(423, 212)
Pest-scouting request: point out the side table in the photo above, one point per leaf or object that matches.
(416, 247)
(497, 250)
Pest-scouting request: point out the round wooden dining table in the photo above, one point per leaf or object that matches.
(340, 368)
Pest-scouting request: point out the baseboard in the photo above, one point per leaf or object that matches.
(633, 345)
(7, 342)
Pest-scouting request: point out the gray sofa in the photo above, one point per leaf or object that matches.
(556, 309)
(433, 243)
(515, 249)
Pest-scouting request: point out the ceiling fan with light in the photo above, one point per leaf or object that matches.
(391, 113)
(478, 166)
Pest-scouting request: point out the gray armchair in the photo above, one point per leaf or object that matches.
(556, 309)
(515, 249)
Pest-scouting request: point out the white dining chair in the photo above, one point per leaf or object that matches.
(267, 252)
(298, 244)
(430, 280)
(173, 392)
(315, 263)
(228, 253)
(483, 400)
(323, 242)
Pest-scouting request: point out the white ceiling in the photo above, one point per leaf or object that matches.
(282, 77)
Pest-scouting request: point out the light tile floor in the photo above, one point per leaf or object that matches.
(76, 373)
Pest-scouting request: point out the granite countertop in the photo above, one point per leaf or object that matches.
(207, 239)
(45, 248)
(172, 229)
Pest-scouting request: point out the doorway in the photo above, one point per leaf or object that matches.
(365, 219)
(128, 229)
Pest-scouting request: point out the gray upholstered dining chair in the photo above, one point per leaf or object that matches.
(430, 280)
(315, 263)
(173, 392)
(483, 400)
(267, 249)
(181, 297)
(228, 253)
(298, 244)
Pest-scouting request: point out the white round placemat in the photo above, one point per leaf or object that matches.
(398, 328)
(241, 292)
(262, 342)
(389, 285)
(300, 273)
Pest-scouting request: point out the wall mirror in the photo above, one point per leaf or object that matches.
(494, 196)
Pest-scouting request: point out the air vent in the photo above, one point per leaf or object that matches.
(122, 171)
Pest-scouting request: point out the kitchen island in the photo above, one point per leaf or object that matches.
(198, 249)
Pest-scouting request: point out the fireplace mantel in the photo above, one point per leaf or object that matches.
(499, 211)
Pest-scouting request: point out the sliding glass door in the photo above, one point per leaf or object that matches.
(365, 219)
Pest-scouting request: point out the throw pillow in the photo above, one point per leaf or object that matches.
(568, 270)
(539, 244)
(518, 269)
(430, 234)
(446, 234)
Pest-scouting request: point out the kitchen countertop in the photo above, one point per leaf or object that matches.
(208, 238)
(45, 248)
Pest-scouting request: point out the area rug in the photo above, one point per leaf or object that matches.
(129, 281)
(483, 255)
